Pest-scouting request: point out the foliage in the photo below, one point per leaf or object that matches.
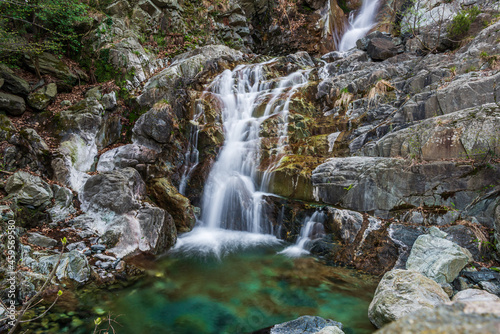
(289, 15)
(36, 26)
(460, 24)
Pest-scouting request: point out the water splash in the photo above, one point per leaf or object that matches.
(360, 25)
(311, 230)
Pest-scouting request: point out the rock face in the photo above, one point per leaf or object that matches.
(444, 319)
(12, 104)
(401, 292)
(29, 189)
(306, 325)
(437, 258)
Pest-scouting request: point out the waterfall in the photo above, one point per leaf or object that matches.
(312, 229)
(360, 25)
(232, 202)
(192, 155)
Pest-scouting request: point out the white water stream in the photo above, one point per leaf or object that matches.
(311, 229)
(232, 201)
(359, 25)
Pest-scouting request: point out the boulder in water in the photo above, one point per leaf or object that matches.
(305, 325)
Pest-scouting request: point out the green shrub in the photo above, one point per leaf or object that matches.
(460, 25)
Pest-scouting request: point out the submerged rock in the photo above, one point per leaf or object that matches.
(401, 292)
(307, 325)
(437, 258)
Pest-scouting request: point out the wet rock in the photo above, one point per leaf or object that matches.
(174, 203)
(12, 104)
(401, 292)
(63, 206)
(41, 240)
(13, 83)
(437, 258)
(444, 319)
(305, 325)
(41, 98)
(119, 191)
(381, 49)
(29, 189)
(73, 266)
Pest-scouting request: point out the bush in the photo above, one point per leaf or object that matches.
(460, 25)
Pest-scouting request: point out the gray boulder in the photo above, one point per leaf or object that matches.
(401, 292)
(73, 265)
(12, 104)
(119, 191)
(12, 82)
(304, 325)
(437, 258)
(41, 98)
(41, 240)
(155, 127)
(474, 295)
(29, 189)
(125, 156)
(444, 319)
(381, 49)
(50, 64)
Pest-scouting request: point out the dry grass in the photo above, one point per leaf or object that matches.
(379, 89)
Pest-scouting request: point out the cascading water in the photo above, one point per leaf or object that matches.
(312, 229)
(233, 196)
(360, 25)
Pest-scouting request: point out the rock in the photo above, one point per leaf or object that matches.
(330, 330)
(381, 49)
(6, 213)
(119, 191)
(79, 246)
(98, 248)
(126, 156)
(401, 292)
(362, 43)
(109, 101)
(41, 98)
(304, 325)
(444, 319)
(437, 258)
(174, 203)
(63, 206)
(94, 93)
(13, 83)
(488, 279)
(184, 67)
(155, 127)
(7, 129)
(73, 266)
(473, 295)
(41, 240)
(12, 104)
(50, 64)
(29, 189)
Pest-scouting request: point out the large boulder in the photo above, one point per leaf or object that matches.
(154, 128)
(401, 292)
(444, 319)
(381, 49)
(305, 325)
(12, 104)
(41, 98)
(474, 295)
(129, 155)
(437, 258)
(29, 189)
(12, 82)
(50, 64)
(119, 191)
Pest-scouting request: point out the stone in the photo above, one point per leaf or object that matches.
(401, 292)
(29, 189)
(73, 265)
(13, 83)
(108, 101)
(94, 93)
(119, 191)
(50, 64)
(304, 325)
(444, 319)
(12, 104)
(126, 156)
(473, 295)
(173, 202)
(41, 240)
(381, 49)
(330, 330)
(6, 213)
(98, 248)
(437, 258)
(155, 127)
(41, 98)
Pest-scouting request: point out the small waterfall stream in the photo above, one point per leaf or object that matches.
(311, 229)
(233, 196)
(360, 25)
